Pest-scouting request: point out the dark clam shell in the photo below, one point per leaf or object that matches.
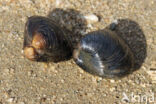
(45, 41)
(105, 54)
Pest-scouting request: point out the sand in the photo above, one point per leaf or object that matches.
(26, 82)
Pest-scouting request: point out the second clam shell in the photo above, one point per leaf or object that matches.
(105, 54)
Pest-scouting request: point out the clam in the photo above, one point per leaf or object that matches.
(104, 53)
(44, 40)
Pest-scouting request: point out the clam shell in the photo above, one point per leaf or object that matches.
(47, 38)
(105, 54)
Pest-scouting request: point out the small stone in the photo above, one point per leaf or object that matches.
(62, 81)
(105, 94)
(94, 79)
(112, 89)
(99, 79)
(30, 72)
(91, 18)
(21, 103)
(52, 68)
(114, 25)
(11, 70)
(22, 51)
(10, 100)
(45, 65)
(90, 26)
(112, 81)
(55, 71)
(115, 22)
(143, 85)
(43, 99)
(81, 71)
(61, 99)
(58, 2)
(34, 75)
(6, 95)
(119, 80)
(83, 32)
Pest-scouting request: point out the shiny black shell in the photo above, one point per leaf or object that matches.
(105, 54)
(57, 47)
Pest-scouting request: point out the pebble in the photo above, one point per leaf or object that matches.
(91, 18)
(30, 72)
(52, 68)
(112, 81)
(62, 81)
(83, 32)
(22, 51)
(21, 103)
(115, 22)
(112, 89)
(61, 99)
(11, 70)
(3, 45)
(143, 85)
(81, 71)
(58, 2)
(90, 26)
(43, 99)
(10, 100)
(94, 79)
(45, 65)
(6, 95)
(99, 79)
